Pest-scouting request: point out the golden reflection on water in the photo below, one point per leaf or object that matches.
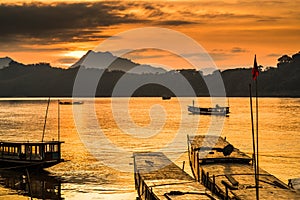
(149, 124)
(126, 128)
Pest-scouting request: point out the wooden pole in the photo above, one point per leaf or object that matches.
(29, 184)
(253, 142)
(58, 120)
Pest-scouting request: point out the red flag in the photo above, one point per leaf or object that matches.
(255, 71)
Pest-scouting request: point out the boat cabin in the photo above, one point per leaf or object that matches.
(31, 151)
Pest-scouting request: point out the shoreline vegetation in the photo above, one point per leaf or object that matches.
(43, 80)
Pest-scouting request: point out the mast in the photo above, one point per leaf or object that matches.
(45, 119)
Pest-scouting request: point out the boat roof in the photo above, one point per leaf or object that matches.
(30, 142)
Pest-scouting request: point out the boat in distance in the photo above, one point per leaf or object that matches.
(166, 97)
(30, 154)
(217, 110)
(70, 102)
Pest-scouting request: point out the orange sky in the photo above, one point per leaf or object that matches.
(231, 31)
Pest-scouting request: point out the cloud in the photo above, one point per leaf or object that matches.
(67, 60)
(276, 55)
(176, 22)
(59, 22)
(238, 50)
(147, 54)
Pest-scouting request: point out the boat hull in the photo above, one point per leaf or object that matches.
(20, 164)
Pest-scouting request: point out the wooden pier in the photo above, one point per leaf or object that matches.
(157, 177)
(228, 173)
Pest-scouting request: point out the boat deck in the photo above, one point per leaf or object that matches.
(237, 180)
(156, 177)
(231, 176)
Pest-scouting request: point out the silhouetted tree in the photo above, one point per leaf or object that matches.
(284, 59)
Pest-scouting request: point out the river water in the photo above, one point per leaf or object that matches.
(101, 135)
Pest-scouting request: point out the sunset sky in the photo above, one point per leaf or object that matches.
(231, 31)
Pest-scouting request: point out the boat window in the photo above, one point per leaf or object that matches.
(6, 149)
(56, 148)
(38, 149)
(28, 149)
(11, 150)
(33, 149)
(23, 149)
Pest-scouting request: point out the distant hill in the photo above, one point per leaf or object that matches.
(42, 80)
(4, 62)
(103, 60)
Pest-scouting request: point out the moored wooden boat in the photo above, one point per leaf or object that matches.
(30, 154)
(228, 172)
(156, 177)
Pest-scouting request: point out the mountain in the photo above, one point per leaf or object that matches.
(4, 62)
(42, 80)
(100, 60)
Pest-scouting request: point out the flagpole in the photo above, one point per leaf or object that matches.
(257, 166)
(255, 73)
(253, 143)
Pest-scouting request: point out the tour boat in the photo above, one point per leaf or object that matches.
(217, 110)
(70, 102)
(30, 154)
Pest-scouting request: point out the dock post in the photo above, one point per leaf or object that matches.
(198, 171)
(214, 184)
(207, 178)
(226, 188)
(195, 160)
